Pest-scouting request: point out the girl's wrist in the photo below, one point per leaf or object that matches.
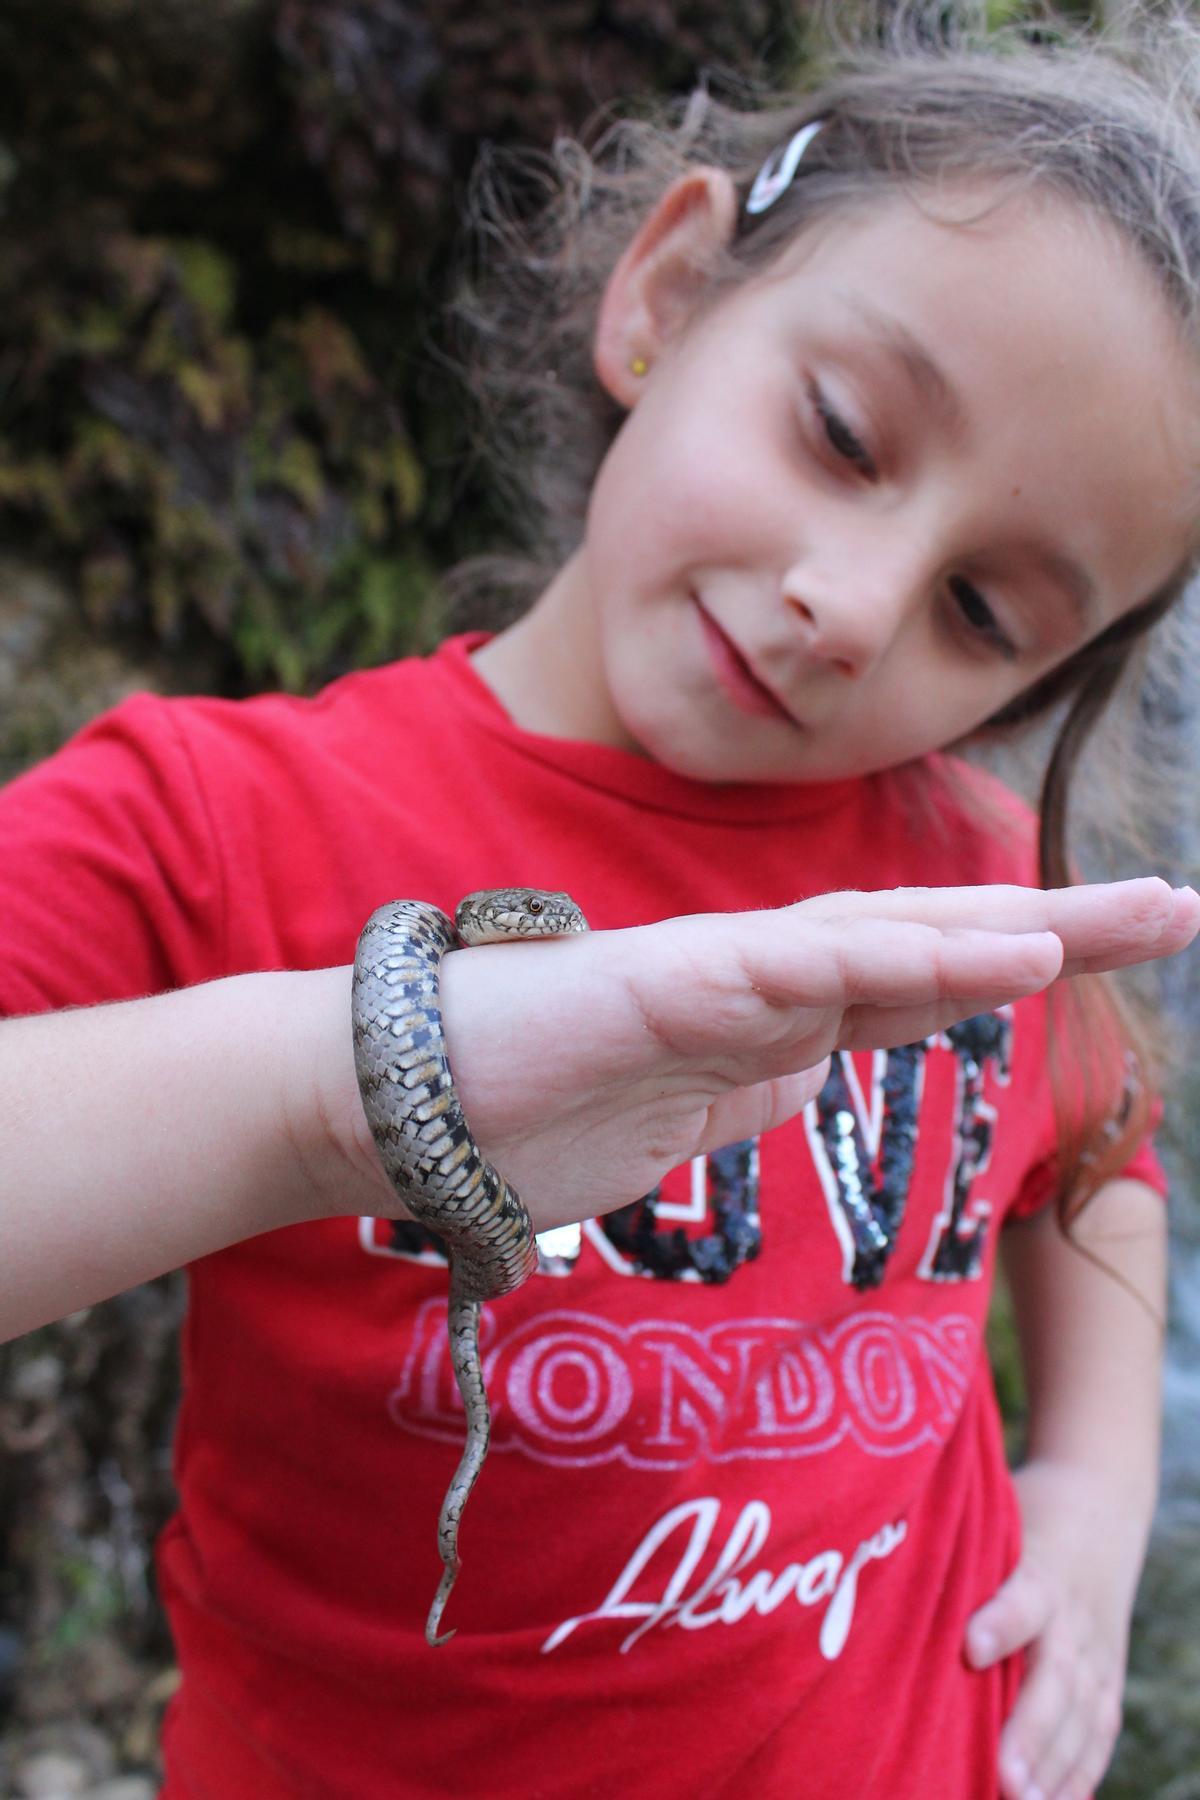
(336, 1168)
(1078, 1506)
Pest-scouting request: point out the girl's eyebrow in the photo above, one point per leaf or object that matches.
(924, 372)
(918, 364)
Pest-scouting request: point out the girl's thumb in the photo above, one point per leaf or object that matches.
(1015, 1615)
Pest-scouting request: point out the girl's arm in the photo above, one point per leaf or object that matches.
(1090, 1320)
(137, 1137)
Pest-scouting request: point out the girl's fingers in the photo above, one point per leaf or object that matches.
(1098, 1752)
(1103, 925)
(1051, 1725)
(1043, 1706)
(1068, 1739)
(961, 966)
(889, 962)
(1077, 1739)
(1140, 934)
(756, 1007)
(882, 1027)
(1063, 1728)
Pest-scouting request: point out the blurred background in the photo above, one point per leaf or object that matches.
(232, 456)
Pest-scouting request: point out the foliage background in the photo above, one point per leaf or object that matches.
(231, 457)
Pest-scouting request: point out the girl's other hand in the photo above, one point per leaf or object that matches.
(1068, 1603)
(1088, 1308)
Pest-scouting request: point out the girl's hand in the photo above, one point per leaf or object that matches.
(1068, 1603)
(587, 1067)
(590, 1066)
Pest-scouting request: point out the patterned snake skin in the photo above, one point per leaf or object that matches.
(425, 1143)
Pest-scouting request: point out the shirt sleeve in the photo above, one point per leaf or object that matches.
(1041, 1182)
(110, 884)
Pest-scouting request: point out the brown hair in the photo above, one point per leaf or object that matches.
(1108, 124)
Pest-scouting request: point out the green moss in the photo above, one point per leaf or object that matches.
(208, 280)
(297, 468)
(372, 608)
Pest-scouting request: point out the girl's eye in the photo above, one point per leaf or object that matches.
(842, 440)
(979, 618)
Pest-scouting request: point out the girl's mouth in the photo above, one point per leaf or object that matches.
(737, 679)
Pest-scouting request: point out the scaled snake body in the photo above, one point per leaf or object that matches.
(424, 1140)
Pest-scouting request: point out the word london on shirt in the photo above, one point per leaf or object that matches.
(575, 1389)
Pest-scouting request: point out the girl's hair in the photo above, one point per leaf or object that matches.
(1108, 124)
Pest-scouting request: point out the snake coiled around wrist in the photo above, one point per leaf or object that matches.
(425, 1143)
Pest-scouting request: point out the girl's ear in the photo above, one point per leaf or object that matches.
(653, 289)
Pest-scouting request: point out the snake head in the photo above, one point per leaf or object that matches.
(495, 915)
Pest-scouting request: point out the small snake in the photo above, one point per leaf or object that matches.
(425, 1143)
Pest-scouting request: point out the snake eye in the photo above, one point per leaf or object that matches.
(534, 904)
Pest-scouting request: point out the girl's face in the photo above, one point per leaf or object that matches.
(858, 506)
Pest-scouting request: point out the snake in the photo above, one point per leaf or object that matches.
(425, 1144)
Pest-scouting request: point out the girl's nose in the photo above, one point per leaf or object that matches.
(849, 622)
(821, 643)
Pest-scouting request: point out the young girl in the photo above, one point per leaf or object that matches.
(886, 411)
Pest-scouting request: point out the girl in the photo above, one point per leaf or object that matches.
(886, 417)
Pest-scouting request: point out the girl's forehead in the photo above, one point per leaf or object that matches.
(974, 231)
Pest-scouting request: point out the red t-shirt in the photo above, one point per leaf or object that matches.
(746, 1482)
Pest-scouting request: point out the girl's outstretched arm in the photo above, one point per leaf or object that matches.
(1093, 1355)
(137, 1137)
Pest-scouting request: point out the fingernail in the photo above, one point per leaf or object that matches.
(983, 1645)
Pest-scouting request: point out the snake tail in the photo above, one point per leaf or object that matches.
(468, 1371)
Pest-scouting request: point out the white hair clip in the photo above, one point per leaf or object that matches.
(775, 176)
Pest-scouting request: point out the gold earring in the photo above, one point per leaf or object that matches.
(638, 366)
